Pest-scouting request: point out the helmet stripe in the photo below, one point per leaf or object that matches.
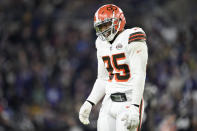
(96, 15)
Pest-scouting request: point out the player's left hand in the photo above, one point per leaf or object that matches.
(131, 117)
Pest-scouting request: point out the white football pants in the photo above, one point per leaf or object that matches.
(110, 115)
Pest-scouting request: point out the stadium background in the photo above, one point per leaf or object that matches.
(48, 62)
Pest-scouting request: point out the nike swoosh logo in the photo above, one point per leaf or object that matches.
(138, 51)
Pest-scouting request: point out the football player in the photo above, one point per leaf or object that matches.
(122, 58)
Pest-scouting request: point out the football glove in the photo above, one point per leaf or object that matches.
(85, 112)
(131, 117)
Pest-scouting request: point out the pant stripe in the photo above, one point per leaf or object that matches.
(140, 111)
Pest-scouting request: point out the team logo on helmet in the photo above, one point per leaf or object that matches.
(113, 8)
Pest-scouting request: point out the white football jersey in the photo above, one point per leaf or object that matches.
(123, 63)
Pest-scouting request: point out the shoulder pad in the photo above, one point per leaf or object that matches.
(136, 34)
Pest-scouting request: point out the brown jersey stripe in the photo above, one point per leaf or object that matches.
(142, 36)
(139, 34)
(136, 39)
(136, 33)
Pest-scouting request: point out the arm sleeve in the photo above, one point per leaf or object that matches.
(98, 90)
(139, 58)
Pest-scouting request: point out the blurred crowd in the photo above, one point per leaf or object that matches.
(48, 63)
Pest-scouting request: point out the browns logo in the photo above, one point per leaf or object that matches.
(111, 8)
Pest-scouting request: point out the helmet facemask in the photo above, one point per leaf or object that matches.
(109, 33)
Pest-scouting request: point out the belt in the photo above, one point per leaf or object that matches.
(118, 97)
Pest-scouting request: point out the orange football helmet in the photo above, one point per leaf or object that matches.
(109, 14)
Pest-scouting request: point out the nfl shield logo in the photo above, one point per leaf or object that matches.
(119, 46)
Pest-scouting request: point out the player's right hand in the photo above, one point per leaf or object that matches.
(85, 112)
